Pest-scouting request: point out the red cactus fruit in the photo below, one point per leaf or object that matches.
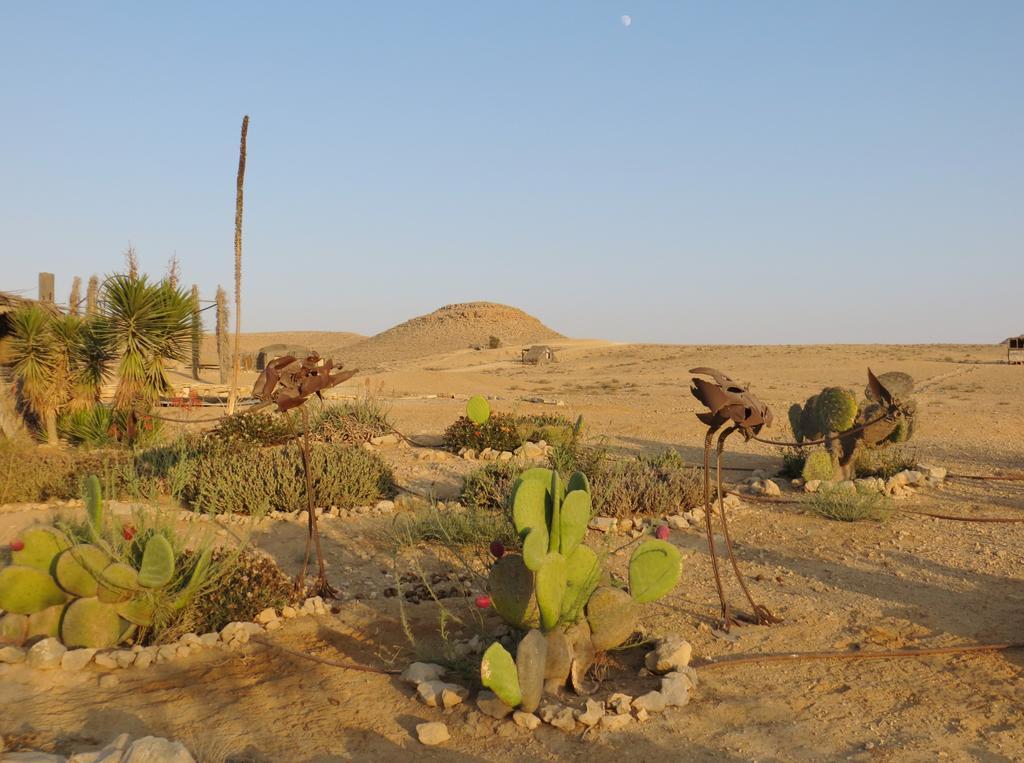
(483, 601)
(662, 532)
(17, 544)
(497, 549)
(128, 531)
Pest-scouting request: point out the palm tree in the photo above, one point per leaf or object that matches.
(145, 324)
(33, 349)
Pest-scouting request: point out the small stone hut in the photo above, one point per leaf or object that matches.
(539, 354)
(271, 351)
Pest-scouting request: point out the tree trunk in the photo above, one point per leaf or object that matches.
(240, 182)
(197, 332)
(52, 438)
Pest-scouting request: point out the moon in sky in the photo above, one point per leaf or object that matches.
(626, 20)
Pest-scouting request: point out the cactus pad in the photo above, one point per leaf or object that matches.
(531, 662)
(555, 518)
(157, 566)
(654, 570)
(535, 547)
(612, 616)
(78, 569)
(118, 582)
(578, 481)
(836, 409)
(511, 586)
(550, 583)
(478, 410)
(498, 673)
(574, 516)
(13, 629)
(90, 623)
(582, 575)
(136, 611)
(530, 507)
(42, 545)
(25, 590)
(818, 466)
(46, 623)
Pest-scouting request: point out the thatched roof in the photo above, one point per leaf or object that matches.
(10, 302)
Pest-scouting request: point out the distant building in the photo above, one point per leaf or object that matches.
(271, 351)
(1015, 350)
(539, 354)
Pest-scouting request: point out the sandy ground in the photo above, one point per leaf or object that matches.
(909, 582)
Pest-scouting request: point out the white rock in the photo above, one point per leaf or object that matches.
(675, 690)
(418, 672)
(935, 473)
(11, 655)
(76, 659)
(603, 524)
(432, 733)
(642, 715)
(105, 660)
(441, 694)
(678, 522)
(652, 702)
(124, 657)
(616, 722)
(671, 653)
(273, 625)
(812, 486)
(771, 488)
(619, 703)
(687, 673)
(384, 440)
(157, 750)
(526, 720)
(289, 612)
(45, 654)
(490, 704)
(267, 615)
(209, 639)
(593, 713)
(565, 719)
(144, 659)
(109, 681)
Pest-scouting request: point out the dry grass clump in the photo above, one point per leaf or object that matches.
(453, 528)
(844, 505)
(352, 422)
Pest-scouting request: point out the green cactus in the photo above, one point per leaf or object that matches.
(531, 662)
(582, 575)
(498, 673)
(78, 568)
(13, 629)
(478, 410)
(157, 566)
(45, 623)
(555, 521)
(117, 582)
(25, 590)
(94, 507)
(42, 545)
(530, 506)
(836, 409)
(574, 516)
(819, 465)
(138, 611)
(535, 547)
(512, 592)
(578, 481)
(612, 616)
(550, 583)
(809, 426)
(654, 570)
(88, 622)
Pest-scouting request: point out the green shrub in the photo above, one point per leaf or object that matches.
(499, 432)
(884, 462)
(245, 584)
(30, 473)
(351, 423)
(252, 428)
(818, 465)
(252, 480)
(652, 486)
(470, 526)
(793, 462)
(845, 505)
(487, 488)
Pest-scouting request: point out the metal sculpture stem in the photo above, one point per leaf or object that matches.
(708, 511)
(313, 537)
(761, 614)
(821, 440)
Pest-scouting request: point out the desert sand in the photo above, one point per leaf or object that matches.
(911, 581)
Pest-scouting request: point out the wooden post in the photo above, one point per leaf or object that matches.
(46, 287)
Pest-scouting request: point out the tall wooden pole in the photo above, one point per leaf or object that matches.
(233, 392)
(197, 331)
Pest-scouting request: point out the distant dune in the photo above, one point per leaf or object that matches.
(449, 328)
(327, 343)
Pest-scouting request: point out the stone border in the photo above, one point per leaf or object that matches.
(50, 654)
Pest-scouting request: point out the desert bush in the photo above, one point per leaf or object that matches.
(653, 486)
(845, 505)
(252, 428)
(29, 473)
(352, 422)
(884, 462)
(494, 342)
(252, 480)
(245, 584)
(487, 488)
(793, 461)
(499, 432)
(471, 526)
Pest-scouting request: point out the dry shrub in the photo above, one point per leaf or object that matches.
(885, 462)
(652, 486)
(844, 505)
(246, 583)
(31, 473)
(351, 423)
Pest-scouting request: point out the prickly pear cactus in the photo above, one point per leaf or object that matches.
(612, 615)
(88, 622)
(512, 592)
(13, 629)
(819, 465)
(117, 582)
(25, 590)
(531, 662)
(42, 545)
(654, 570)
(498, 673)
(582, 575)
(478, 410)
(78, 569)
(550, 581)
(157, 567)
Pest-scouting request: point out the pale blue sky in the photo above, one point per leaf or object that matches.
(715, 172)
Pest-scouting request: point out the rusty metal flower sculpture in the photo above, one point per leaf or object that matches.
(729, 402)
(288, 382)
